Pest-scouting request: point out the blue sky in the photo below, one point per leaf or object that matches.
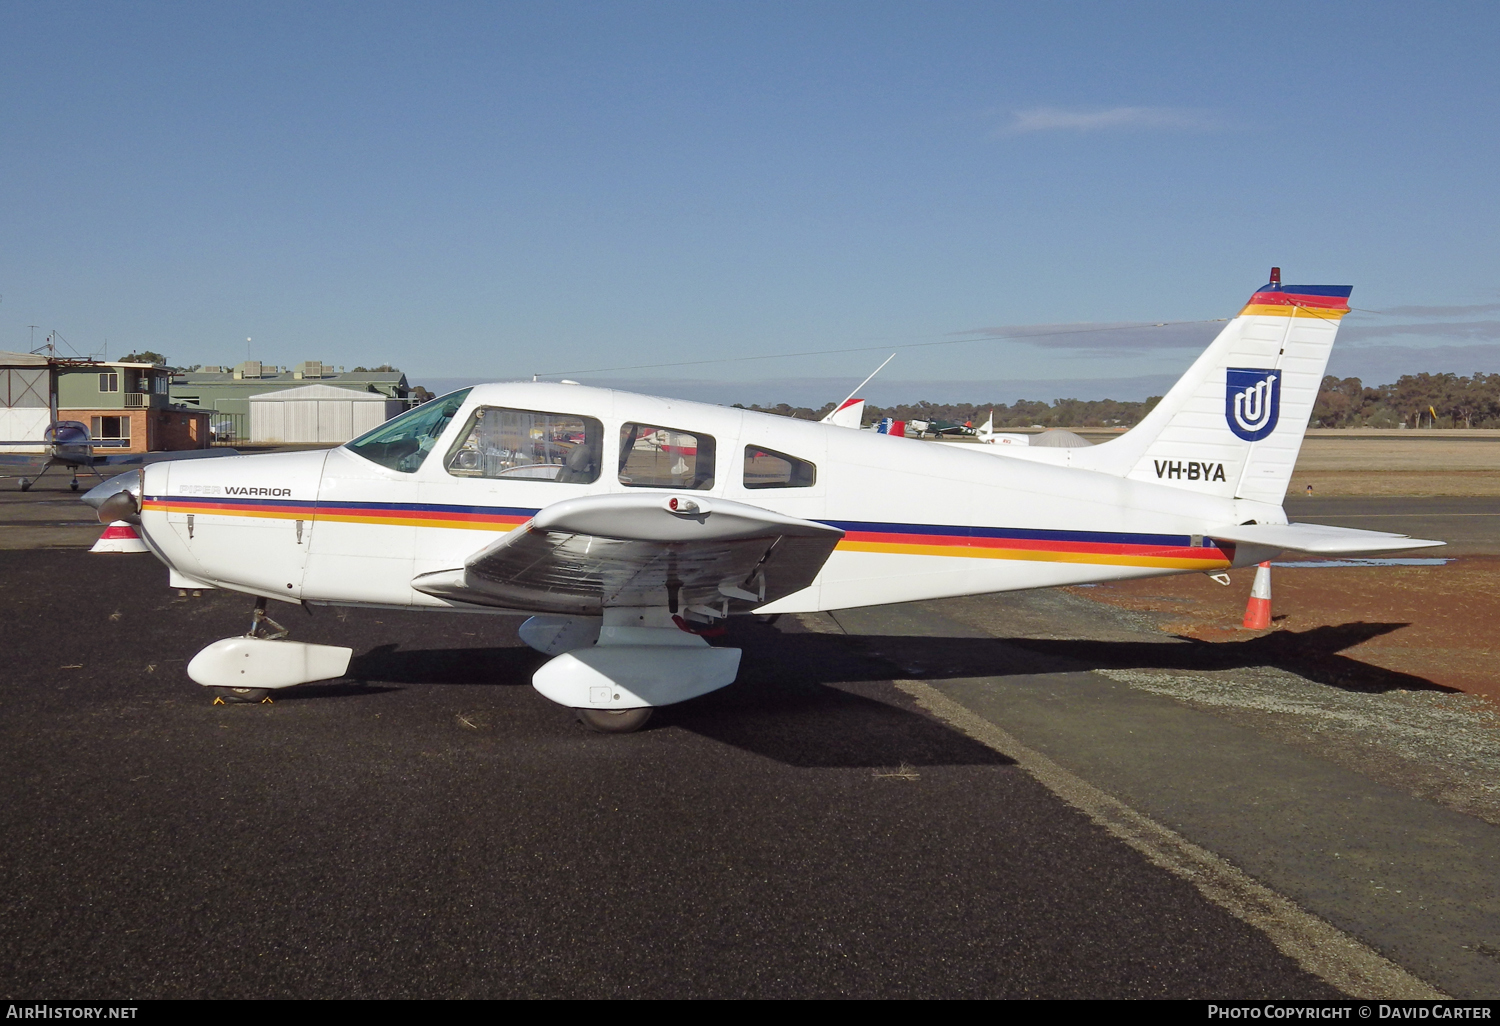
(495, 190)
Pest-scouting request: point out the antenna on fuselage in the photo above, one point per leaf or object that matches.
(865, 382)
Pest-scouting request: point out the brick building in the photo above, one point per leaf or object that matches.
(127, 408)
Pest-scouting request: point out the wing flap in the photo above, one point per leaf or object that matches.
(580, 555)
(1319, 538)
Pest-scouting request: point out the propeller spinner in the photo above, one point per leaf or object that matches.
(119, 498)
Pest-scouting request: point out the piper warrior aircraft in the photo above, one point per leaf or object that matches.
(630, 527)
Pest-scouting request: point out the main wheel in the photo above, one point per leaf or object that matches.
(25, 485)
(241, 696)
(614, 721)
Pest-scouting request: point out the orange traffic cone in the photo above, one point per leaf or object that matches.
(1258, 610)
(119, 537)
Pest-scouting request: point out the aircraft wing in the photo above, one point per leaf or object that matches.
(137, 459)
(580, 555)
(1319, 538)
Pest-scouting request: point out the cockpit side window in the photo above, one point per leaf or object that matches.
(652, 456)
(528, 445)
(765, 468)
(403, 442)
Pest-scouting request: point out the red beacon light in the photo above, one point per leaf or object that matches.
(1275, 276)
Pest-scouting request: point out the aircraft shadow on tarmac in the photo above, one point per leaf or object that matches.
(393, 665)
(819, 700)
(1315, 654)
(781, 708)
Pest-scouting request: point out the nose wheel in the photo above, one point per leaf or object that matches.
(241, 696)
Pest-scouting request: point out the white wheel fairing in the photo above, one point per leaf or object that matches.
(631, 676)
(261, 663)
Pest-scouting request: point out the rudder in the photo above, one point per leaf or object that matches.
(1233, 424)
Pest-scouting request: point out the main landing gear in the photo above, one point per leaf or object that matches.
(26, 484)
(612, 670)
(614, 721)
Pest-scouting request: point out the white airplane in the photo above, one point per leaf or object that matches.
(987, 435)
(67, 444)
(629, 527)
(848, 414)
(851, 412)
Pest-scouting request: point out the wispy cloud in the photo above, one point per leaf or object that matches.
(1094, 337)
(1488, 331)
(1442, 311)
(1050, 119)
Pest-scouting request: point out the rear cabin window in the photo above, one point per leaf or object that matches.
(403, 442)
(652, 456)
(528, 445)
(767, 469)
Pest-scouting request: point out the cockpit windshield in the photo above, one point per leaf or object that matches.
(403, 442)
(67, 432)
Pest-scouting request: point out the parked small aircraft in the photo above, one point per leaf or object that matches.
(987, 435)
(628, 527)
(68, 444)
(851, 412)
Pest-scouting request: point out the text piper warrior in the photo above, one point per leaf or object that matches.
(627, 526)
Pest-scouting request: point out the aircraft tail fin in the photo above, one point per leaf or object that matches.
(1233, 424)
(848, 415)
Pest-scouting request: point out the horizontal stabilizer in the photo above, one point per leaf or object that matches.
(1319, 538)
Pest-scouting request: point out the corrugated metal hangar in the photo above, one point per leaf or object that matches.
(317, 413)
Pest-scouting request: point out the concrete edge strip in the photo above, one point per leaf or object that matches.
(1315, 944)
(1318, 946)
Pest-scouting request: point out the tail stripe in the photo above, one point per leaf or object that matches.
(1243, 407)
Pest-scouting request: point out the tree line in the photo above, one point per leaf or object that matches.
(1024, 413)
(1413, 399)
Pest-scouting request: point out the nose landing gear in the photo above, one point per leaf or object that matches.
(241, 696)
(248, 668)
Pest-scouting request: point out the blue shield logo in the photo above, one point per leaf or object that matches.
(1252, 401)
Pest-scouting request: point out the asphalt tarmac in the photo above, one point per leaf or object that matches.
(437, 829)
(433, 827)
(1469, 524)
